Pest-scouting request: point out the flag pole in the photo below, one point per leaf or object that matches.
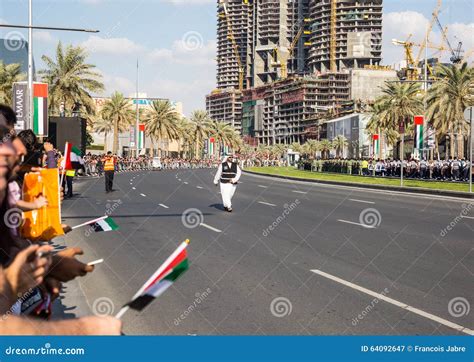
(175, 253)
(89, 222)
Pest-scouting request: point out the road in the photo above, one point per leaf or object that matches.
(293, 258)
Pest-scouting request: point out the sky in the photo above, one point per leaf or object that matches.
(175, 40)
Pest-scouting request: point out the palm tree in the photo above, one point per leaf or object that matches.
(161, 121)
(311, 147)
(448, 98)
(296, 147)
(9, 74)
(325, 146)
(220, 131)
(339, 143)
(200, 121)
(70, 78)
(104, 126)
(117, 110)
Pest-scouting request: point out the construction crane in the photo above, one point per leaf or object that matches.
(280, 60)
(456, 57)
(428, 31)
(412, 64)
(235, 47)
(332, 37)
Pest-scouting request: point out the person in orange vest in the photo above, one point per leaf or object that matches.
(109, 170)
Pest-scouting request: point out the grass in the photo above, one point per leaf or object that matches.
(292, 172)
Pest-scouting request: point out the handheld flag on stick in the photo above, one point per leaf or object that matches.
(66, 163)
(103, 223)
(160, 281)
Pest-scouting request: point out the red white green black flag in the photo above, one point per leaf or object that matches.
(419, 120)
(161, 280)
(141, 136)
(40, 109)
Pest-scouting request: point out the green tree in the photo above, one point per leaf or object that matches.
(118, 111)
(162, 121)
(325, 146)
(105, 127)
(9, 74)
(339, 143)
(311, 147)
(447, 99)
(70, 79)
(200, 121)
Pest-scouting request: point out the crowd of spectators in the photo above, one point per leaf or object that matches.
(32, 273)
(444, 170)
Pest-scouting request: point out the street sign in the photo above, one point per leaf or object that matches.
(469, 114)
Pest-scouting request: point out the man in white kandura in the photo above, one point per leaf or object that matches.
(228, 174)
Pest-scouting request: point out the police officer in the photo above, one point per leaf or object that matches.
(109, 170)
(228, 174)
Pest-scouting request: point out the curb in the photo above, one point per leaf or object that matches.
(414, 190)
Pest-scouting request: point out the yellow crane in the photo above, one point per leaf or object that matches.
(426, 40)
(412, 63)
(332, 37)
(280, 60)
(235, 47)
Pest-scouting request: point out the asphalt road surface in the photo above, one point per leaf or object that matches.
(293, 258)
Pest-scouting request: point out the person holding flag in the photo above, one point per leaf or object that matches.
(228, 174)
(109, 170)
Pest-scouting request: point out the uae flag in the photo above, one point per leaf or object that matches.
(103, 223)
(107, 224)
(162, 279)
(419, 120)
(141, 136)
(40, 109)
(67, 164)
(376, 140)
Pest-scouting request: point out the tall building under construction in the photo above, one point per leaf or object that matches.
(281, 64)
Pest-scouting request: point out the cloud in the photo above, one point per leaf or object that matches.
(400, 25)
(111, 46)
(43, 36)
(188, 52)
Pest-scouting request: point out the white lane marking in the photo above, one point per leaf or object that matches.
(266, 203)
(363, 201)
(467, 217)
(143, 195)
(210, 227)
(185, 182)
(396, 302)
(356, 223)
(264, 187)
(163, 205)
(179, 179)
(134, 188)
(299, 192)
(199, 187)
